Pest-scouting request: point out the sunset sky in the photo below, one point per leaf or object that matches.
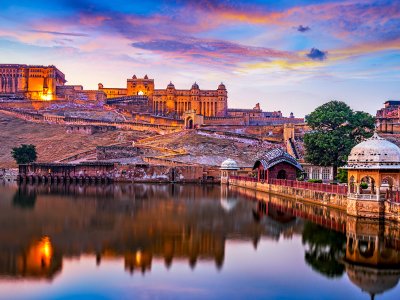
(287, 55)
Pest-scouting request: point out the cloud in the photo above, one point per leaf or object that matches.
(58, 33)
(302, 28)
(204, 51)
(316, 54)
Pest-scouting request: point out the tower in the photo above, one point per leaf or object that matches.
(222, 104)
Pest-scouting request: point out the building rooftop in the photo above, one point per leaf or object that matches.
(374, 153)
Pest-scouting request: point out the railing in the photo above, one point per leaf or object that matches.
(320, 187)
(366, 196)
(243, 178)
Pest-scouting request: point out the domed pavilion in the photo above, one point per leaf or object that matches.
(228, 168)
(373, 172)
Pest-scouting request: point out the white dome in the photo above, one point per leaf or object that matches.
(229, 164)
(374, 153)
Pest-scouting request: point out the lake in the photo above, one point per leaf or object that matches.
(166, 241)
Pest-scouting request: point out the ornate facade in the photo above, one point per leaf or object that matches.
(32, 82)
(171, 101)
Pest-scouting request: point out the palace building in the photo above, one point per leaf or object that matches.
(172, 101)
(29, 81)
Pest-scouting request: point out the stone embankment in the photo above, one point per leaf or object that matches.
(335, 200)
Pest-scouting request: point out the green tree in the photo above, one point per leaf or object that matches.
(24, 154)
(335, 130)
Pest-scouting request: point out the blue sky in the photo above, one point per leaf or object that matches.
(287, 55)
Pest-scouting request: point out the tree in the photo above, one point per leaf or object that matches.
(335, 130)
(24, 154)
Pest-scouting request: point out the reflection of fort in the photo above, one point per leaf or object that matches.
(372, 260)
(143, 223)
(136, 222)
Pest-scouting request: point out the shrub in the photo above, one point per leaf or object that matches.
(363, 185)
(315, 180)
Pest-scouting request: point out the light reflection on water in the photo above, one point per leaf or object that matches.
(187, 241)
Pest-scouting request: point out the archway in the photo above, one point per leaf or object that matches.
(367, 185)
(189, 123)
(281, 174)
(388, 182)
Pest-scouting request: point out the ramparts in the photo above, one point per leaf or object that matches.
(62, 120)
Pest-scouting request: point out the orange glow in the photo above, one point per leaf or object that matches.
(140, 93)
(45, 248)
(138, 257)
(47, 97)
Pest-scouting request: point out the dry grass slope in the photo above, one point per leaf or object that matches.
(52, 141)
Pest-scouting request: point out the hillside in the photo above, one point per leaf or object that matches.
(52, 141)
(212, 149)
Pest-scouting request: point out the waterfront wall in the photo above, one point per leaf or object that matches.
(371, 209)
(323, 198)
(106, 171)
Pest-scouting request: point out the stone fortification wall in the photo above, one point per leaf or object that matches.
(55, 119)
(147, 118)
(115, 152)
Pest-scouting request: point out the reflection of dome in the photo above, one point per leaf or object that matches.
(372, 281)
(229, 164)
(222, 86)
(195, 86)
(375, 152)
(170, 85)
(228, 204)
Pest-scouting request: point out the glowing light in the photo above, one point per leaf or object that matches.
(140, 93)
(46, 97)
(45, 248)
(138, 257)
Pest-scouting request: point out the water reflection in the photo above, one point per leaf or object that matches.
(144, 223)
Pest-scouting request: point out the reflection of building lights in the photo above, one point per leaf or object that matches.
(140, 93)
(138, 257)
(45, 248)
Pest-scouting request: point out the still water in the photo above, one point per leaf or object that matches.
(187, 242)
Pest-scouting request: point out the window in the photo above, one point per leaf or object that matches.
(326, 172)
(315, 173)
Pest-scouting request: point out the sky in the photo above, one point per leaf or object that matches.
(286, 55)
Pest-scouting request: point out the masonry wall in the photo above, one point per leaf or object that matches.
(322, 198)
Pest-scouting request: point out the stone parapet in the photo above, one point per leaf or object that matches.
(322, 198)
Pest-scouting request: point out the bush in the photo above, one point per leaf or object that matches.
(342, 176)
(363, 185)
(315, 180)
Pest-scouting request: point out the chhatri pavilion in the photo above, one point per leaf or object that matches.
(373, 174)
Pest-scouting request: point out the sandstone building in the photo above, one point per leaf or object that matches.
(172, 101)
(29, 81)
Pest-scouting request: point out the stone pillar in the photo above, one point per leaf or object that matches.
(378, 192)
